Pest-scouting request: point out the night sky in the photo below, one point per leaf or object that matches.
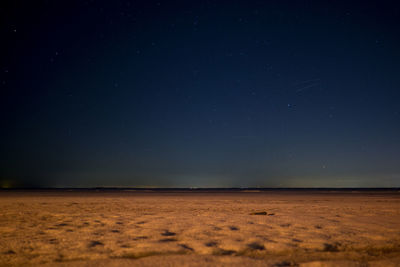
(200, 93)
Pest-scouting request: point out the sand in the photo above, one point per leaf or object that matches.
(248, 228)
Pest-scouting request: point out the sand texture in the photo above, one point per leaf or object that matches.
(136, 228)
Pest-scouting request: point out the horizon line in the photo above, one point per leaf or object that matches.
(196, 188)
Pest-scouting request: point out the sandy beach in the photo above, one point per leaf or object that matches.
(244, 228)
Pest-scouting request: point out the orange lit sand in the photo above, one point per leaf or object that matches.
(131, 228)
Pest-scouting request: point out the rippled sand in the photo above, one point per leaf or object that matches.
(136, 228)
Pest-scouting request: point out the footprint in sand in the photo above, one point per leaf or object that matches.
(223, 252)
(211, 244)
(285, 264)
(186, 247)
(297, 240)
(331, 247)
(168, 233)
(256, 246)
(259, 213)
(95, 243)
(53, 241)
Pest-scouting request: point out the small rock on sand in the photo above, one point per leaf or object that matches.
(95, 243)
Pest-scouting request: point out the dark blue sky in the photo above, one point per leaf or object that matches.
(200, 93)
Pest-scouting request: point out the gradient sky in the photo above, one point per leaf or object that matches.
(200, 93)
